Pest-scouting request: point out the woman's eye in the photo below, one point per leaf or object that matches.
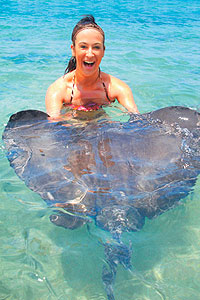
(97, 47)
(83, 47)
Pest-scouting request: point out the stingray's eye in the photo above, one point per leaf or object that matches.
(54, 218)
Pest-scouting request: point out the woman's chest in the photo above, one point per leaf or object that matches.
(80, 96)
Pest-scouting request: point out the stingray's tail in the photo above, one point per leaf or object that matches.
(108, 277)
(117, 219)
(117, 253)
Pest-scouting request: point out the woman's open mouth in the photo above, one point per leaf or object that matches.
(88, 64)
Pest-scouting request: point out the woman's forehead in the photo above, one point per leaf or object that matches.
(89, 35)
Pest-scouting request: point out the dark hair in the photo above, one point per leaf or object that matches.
(87, 21)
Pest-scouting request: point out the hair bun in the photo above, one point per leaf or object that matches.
(87, 19)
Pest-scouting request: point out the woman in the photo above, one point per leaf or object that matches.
(84, 86)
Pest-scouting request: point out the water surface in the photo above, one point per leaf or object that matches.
(152, 46)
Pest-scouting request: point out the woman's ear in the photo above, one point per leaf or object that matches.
(73, 50)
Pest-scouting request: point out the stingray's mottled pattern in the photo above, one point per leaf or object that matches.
(116, 173)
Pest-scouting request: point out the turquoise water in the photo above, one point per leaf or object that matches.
(154, 47)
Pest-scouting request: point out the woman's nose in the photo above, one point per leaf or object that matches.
(90, 52)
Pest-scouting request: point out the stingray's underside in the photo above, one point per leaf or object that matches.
(116, 173)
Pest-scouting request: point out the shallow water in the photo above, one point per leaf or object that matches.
(154, 47)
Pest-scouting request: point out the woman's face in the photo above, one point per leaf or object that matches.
(88, 50)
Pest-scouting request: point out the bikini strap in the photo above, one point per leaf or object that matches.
(104, 86)
(72, 92)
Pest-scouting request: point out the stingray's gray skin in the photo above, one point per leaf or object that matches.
(118, 174)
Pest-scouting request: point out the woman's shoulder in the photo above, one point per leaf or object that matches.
(62, 82)
(60, 88)
(114, 84)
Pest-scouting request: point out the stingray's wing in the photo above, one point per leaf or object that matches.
(38, 152)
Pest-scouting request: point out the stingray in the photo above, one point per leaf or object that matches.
(117, 174)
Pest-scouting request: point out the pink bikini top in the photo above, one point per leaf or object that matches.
(89, 106)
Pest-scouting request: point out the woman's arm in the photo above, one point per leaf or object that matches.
(122, 92)
(54, 99)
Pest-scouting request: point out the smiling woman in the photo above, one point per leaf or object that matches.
(84, 86)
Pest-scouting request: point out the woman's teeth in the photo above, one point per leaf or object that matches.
(88, 63)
